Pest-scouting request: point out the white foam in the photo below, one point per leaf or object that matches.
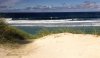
(56, 23)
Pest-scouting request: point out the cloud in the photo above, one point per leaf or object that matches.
(3, 7)
(88, 4)
(7, 3)
(85, 6)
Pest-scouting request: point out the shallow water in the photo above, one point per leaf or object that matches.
(34, 30)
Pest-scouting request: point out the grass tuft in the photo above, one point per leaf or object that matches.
(12, 35)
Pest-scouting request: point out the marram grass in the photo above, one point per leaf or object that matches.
(12, 35)
(75, 30)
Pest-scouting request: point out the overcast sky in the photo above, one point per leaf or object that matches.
(26, 5)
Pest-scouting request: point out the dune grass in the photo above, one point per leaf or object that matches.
(12, 35)
(75, 30)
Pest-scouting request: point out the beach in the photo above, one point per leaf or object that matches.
(63, 45)
(49, 29)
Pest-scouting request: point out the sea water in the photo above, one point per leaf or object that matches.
(33, 27)
(34, 30)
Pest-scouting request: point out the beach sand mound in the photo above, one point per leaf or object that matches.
(64, 45)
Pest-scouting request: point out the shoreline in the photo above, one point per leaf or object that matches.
(52, 23)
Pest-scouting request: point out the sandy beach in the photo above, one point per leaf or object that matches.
(63, 45)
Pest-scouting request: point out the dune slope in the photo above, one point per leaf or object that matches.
(64, 45)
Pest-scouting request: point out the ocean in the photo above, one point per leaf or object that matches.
(54, 16)
(51, 15)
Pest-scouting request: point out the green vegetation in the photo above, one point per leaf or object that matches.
(12, 35)
(75, 30)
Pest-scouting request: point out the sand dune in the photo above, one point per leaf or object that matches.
(64, 45)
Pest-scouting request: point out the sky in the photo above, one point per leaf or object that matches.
(48, 5)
